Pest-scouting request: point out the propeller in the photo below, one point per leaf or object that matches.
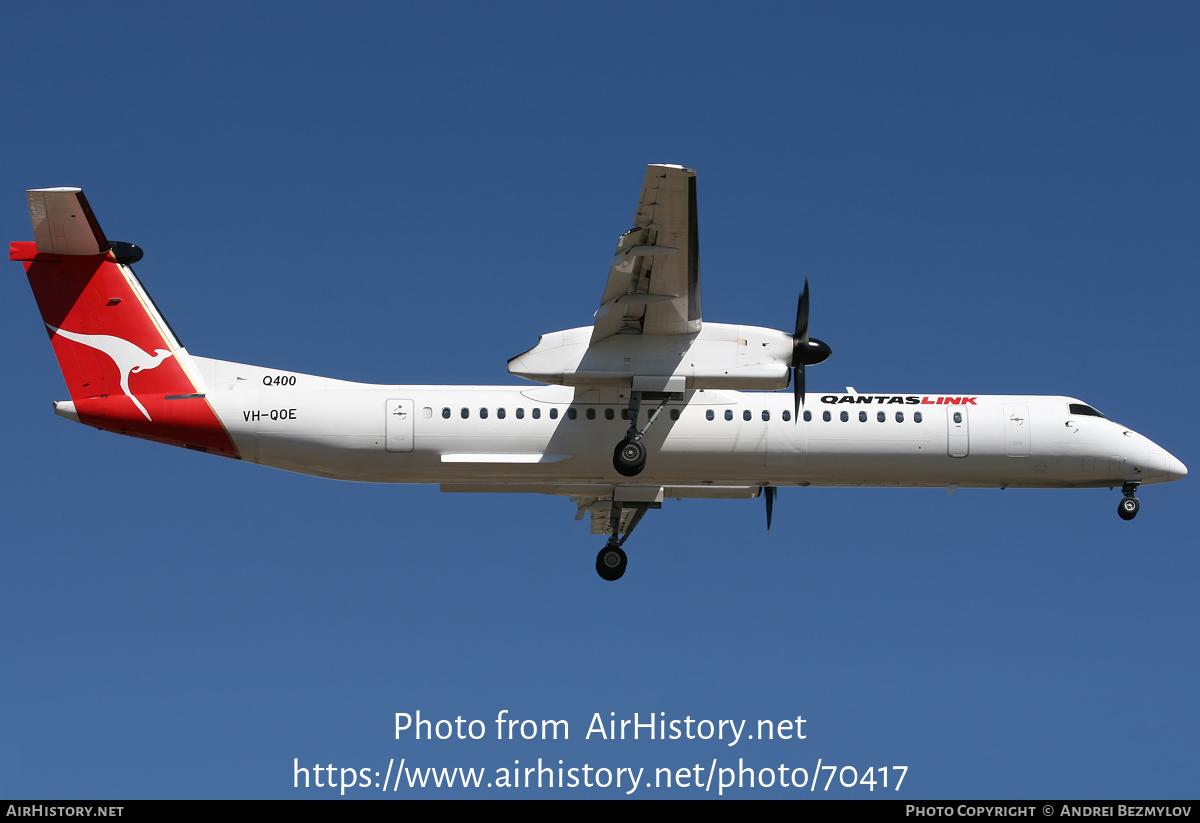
(769, 494)
(800, 349)
(805, 351)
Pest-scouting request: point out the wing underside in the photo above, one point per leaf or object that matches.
(598, 499)
(654, 282)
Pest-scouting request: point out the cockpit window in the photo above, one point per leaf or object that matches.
(1086, 411)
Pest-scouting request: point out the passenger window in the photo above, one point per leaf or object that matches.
(446, 413)
(500, 413)
(591, 413)
(845, 417)
(465, 413)
(862, 417)
(917, 417)
(787, 415)
(958, 417)
(825, 416)
(483, 414)
(766, 415)
(572, 413)
(807, 416)
(626, 415)
(609, 414)
(881, 417)
(674, 414)
(537, 413)
(746, 415)
(729, 414)
(520, 414)
(554, 414)
(899, 417)
(708, 415)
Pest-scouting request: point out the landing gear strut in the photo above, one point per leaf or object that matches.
(629, 457)
(1129, 505)
(611, 561)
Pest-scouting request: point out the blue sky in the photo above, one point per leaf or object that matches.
(986, 199)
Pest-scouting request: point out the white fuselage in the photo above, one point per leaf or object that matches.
(551, 435)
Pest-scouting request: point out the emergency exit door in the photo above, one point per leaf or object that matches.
(958, 437)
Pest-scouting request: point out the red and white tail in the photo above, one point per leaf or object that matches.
(124, 367)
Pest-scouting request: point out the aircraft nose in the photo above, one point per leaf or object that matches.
(1178, 471)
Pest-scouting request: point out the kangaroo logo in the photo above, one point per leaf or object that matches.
(129, 358)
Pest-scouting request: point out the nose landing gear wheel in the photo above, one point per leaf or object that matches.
(629, 458)
(610, 563)
(1128, 508)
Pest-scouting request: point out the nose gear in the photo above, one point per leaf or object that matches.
(1129, 505)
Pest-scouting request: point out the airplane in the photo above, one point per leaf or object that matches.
(650, 402)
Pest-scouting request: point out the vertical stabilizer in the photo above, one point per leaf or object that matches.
(125, 369)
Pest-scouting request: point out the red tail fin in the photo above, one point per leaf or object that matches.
(124, 367)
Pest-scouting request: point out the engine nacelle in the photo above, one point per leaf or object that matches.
(719, 356)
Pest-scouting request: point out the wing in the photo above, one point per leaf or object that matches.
(654, 283)
(596, 499)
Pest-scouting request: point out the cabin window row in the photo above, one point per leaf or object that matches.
(572, 413)
(863, 417)
(710, 414)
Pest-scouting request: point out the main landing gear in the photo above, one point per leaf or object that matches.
(629, 457)
(1129, 505)
(611, 561)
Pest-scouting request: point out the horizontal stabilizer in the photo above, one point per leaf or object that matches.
(63, 223)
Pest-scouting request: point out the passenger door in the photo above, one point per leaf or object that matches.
(1016, 431)
(957, 439)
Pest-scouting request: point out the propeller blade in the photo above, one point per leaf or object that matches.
(769, 493)
(802, 316)
(800, 350)
(798, 390)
